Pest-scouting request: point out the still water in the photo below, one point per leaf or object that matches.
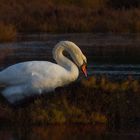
(103, 52)
(115, 71)
(114, 56)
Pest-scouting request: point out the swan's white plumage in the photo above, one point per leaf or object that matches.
(35, 77)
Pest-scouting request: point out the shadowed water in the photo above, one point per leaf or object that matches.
(115, 71)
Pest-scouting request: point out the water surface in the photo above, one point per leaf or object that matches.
(107, 54)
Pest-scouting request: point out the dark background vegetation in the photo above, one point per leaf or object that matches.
(70, 15)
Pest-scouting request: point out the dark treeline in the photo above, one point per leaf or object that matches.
(124, 3)
(70, 16)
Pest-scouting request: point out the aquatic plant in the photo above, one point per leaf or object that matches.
(93, 100)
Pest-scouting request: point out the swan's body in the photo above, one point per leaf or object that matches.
(35, 77)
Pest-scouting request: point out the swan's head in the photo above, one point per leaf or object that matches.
(84, 68)
(78, 57)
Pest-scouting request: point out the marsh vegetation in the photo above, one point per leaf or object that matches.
(59, 16)
(90, 101)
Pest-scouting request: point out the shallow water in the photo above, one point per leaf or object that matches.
(115, 71)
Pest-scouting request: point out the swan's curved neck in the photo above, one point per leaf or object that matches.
(64, 61)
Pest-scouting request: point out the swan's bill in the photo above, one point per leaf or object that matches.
(84, 69)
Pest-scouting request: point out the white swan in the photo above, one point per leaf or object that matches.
(35, 77)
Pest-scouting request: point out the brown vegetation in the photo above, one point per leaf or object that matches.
(7, 32)
(89, 101)
(70, 16)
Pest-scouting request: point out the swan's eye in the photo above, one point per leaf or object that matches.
(84, 61)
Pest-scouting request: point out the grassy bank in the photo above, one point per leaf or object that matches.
(88, 101)
(71, 16)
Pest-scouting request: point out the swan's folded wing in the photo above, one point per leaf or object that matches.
(28, 71)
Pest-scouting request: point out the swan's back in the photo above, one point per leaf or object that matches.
(28, 71)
